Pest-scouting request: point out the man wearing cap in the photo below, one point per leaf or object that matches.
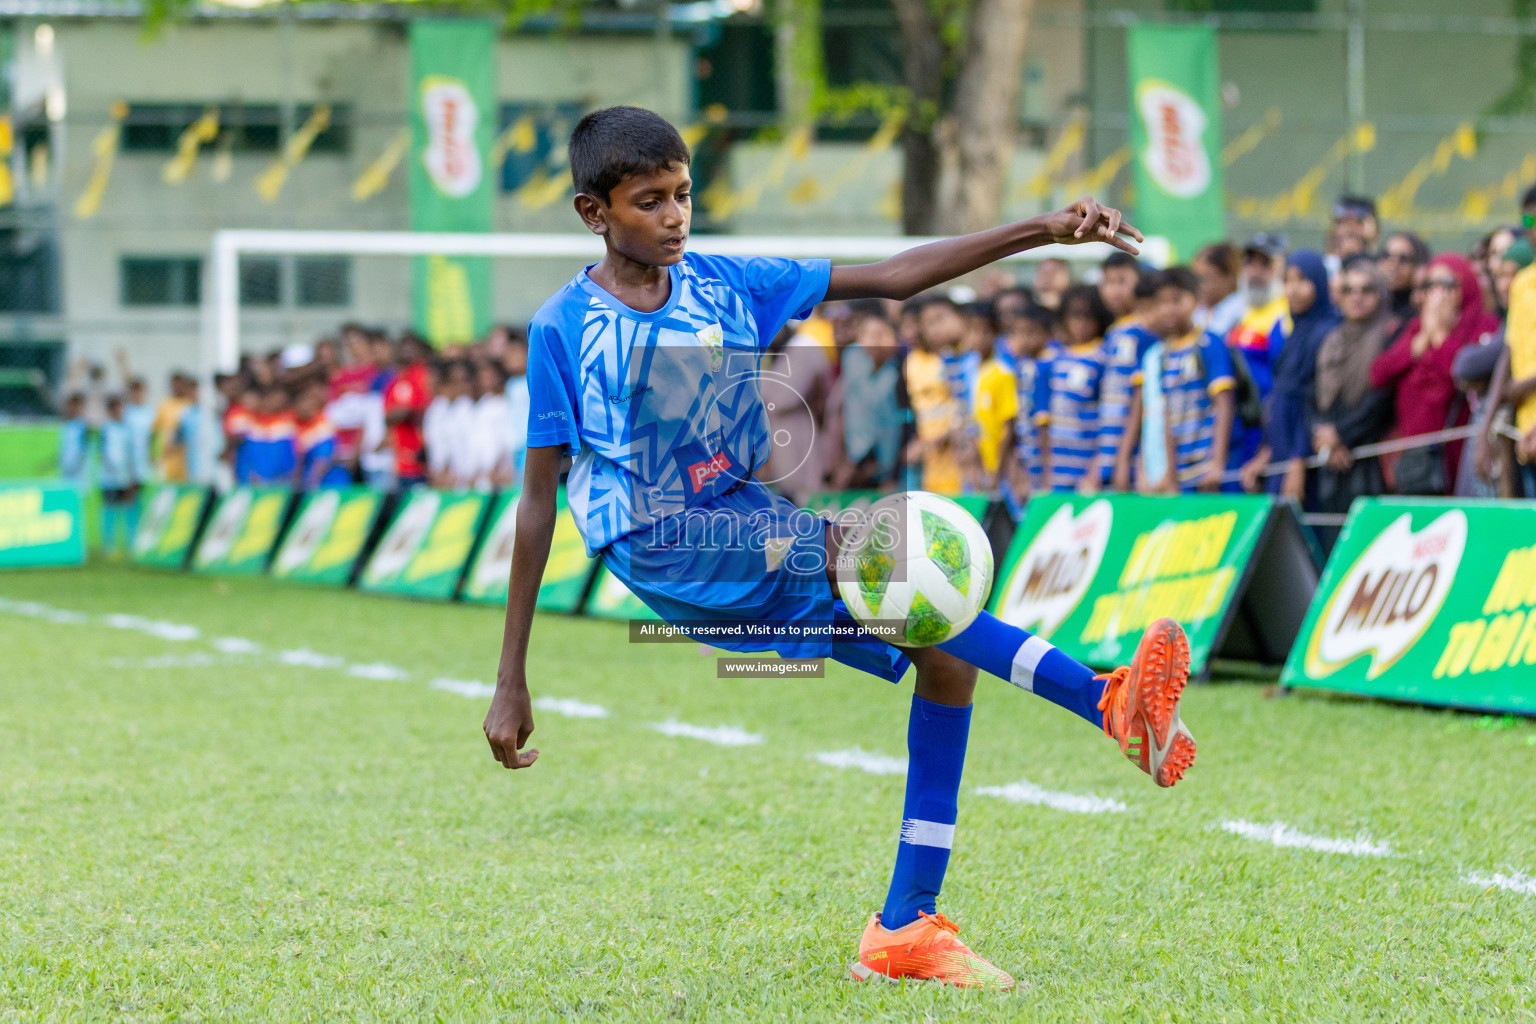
(1354, 230)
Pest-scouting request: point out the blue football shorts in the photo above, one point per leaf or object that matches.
(749, 557)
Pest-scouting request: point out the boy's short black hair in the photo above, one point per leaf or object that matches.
(1042, 316)
(1121, 259)
(609, 145)
(1146, 286)
(1087, 295)
(1181, 278)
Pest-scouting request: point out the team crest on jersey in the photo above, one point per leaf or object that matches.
(713, 338)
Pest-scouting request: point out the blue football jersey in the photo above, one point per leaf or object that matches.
(1125, 345)
(662, 410)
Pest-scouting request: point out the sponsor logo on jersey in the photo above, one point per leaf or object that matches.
(701, 473)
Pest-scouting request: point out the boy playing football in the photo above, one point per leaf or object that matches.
(644, 367)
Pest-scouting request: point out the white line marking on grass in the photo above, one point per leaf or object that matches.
(1517, 882)
(305, 658)
(236, 645)
(378, 670)
(464, 688)
(172, 661)
(1278, 833)
(33, 609)
(874, 764)
(570, 708)
(724, 735)
(176, 631)
(1026, 792)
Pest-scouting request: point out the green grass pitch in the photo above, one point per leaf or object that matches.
(193, 834)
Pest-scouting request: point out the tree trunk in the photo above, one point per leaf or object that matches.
(985, 113)
(922, 66)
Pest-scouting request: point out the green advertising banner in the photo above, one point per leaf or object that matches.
(1430, 602)
(565, 574)
(453, 114)
(428, 541)
(611, 599)
(242, 531)
(40, 524)
(1176, 134)
(169, 516)
(329, 532)
(1091, 573)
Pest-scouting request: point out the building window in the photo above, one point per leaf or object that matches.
(261, 281)
(323, 280)
(161, 280)
(243, 127)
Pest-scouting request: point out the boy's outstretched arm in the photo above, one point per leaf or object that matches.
(510, 719)
(905, 274)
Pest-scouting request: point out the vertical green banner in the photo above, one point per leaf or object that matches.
(168, 519)
(1427, 601)
(243, 531)
(565, 574)
(427, 544)
(40, 524)
(1176, 134)
(453, 111)
(327, 536)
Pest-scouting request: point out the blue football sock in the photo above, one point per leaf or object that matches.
(936, 735)
(1029, 663)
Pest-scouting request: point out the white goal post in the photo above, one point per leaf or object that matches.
(220, 348)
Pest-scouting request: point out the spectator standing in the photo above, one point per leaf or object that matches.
(865, 410)
(168, 445)
(1401, 257)
(1052, 278)
(315, 441)
(795, 390)
(1194, 398)
(348, 393)
(1313, 315)
(514, 360)
(1031, 345)
(121, 473)
(1125, 345)
(75, 449)
(1222, 304)
(994, 408)
(1257, 338)
(1418, 367)
(1347, 410)
(405, 402)
(141, 422)
(270, 455)
(491, 433)
(1069, 422)
(1520, 339)
(937, 413)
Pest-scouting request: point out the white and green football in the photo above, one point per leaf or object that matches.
(917, 560)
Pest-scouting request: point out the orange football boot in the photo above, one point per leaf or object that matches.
(1141, 704)
(925, 950)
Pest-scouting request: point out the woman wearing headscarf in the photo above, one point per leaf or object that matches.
(1347, 411)
(1418, 367)
(1313, 315)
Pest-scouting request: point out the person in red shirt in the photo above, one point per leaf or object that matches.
(347, 396)
(405, 402)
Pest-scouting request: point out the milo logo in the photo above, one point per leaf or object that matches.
(1175, 156)
(1057, 568)
(1389, 597)
(452, 159)
(304, 538)
(404, 538)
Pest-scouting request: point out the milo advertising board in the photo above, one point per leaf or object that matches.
(1429, 602)
(243, 531)
(168, 519)
(611, 599)
(40, 524)
(1091, 573)
(565, 574)
(424, 550)
(328, 534)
